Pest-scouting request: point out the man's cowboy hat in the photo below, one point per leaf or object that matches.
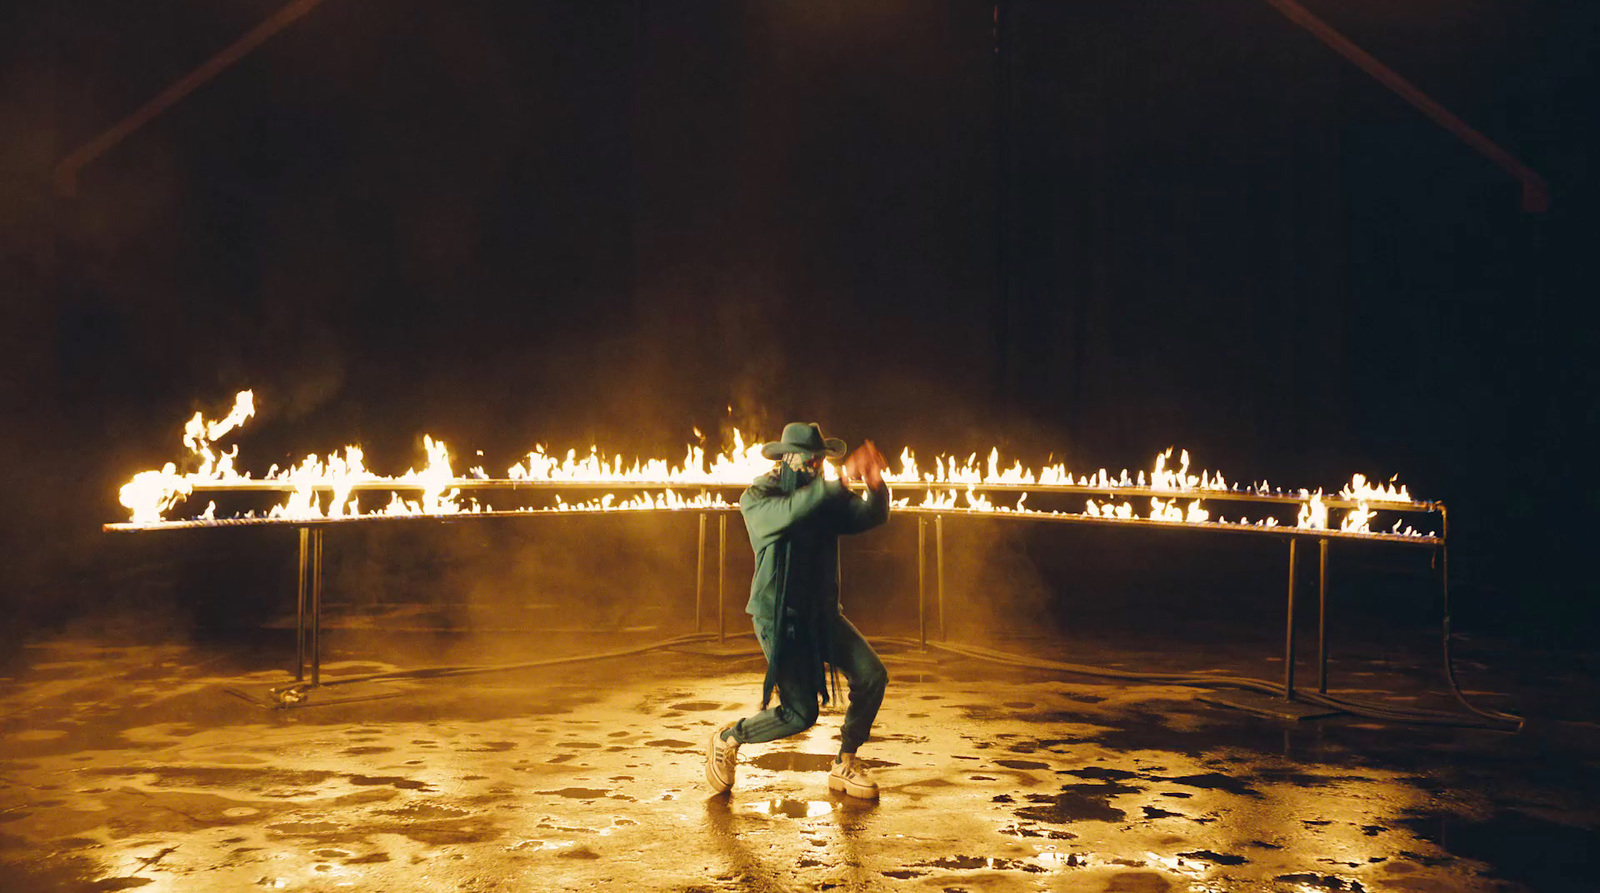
(805, 439)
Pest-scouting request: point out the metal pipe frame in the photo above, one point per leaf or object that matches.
(938, 552)
(300, 608)
(309, 583)
(1322, 616)
(1047, 517)
(1322, 621)
(316, 607)
(922, 588)
(1289, 642)
(722, 561)
(1535, 191)
(700, 572)
(1237, 495)
(309, 627)
(1443, 559)
(1288, 636)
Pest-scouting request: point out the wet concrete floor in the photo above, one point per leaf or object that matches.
(161, 767)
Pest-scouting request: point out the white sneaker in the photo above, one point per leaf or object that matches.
(722, 758)
(850, 777)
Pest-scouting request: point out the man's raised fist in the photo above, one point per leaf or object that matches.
(866, 463)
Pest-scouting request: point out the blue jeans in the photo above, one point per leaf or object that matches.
(797, 708)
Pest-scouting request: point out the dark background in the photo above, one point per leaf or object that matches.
(1093, 231)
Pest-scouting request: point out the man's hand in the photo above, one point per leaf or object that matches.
(865, 464)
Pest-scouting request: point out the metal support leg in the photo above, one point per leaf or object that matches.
(700, 572)
(1443, 559)
(300, 608)
(1288, 706)
(1322, 617)
(722, 562)
(316, 607)
(922, 588)
(938, 577)
(1288, 635)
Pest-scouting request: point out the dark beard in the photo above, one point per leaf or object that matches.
(790, 480)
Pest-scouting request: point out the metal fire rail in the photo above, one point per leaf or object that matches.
(308, 604)
(1109, 488)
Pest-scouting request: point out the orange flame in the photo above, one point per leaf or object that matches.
(1313, 514)
(326, 487)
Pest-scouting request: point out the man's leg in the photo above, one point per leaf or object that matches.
(862, 668)
(796, 711)
(854, 658)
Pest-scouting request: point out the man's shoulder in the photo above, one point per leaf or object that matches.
(761, 488)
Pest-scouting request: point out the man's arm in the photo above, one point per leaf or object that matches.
(866, 464)
(864, 514)
(768, 513)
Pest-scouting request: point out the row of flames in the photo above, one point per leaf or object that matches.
(325, 487)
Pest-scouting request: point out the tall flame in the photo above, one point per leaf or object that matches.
(1313, 514)
(1357, 520)
(149, 494)
(1359, 489)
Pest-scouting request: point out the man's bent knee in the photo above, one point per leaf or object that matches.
(798, 720)
(874, 679)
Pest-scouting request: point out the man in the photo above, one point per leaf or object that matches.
(794, 517)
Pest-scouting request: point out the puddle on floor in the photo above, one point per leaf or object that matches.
(405, 784)
(794, 761)
(794, 809)
(578, 793)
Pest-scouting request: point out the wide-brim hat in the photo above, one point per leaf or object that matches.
(806, 439)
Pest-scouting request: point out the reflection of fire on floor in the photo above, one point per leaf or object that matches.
(133, 767)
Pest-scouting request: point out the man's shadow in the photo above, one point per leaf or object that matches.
(727, 829)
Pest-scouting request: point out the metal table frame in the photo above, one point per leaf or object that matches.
(308, 602)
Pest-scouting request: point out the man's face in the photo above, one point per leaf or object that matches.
(804, 466)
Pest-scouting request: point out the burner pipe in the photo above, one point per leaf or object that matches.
(245, 486)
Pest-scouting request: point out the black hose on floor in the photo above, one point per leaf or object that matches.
(294, 694)
(1443, 557)
(1358, 708)
(290, 695)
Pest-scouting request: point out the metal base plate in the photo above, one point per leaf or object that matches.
(1267, 705)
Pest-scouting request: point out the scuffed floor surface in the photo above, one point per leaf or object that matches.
(162, 768)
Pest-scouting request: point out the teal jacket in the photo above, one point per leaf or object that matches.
(795, 537)
(809, 522)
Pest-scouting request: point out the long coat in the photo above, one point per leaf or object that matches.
(796, 581)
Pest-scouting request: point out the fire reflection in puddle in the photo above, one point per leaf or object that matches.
(794, 809)
(1050, 857)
